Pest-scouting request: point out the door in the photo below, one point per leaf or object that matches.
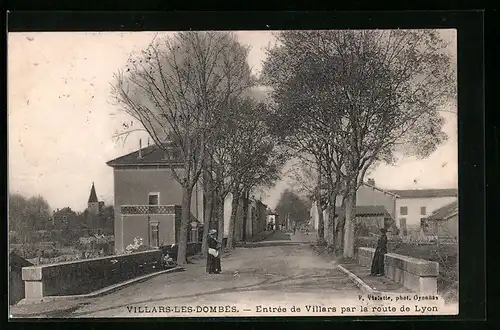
(154, 237)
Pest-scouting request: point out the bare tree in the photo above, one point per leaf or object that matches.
(257, 161)
(264, 173)
(227, 152)
(381, 89)
(176, 89)
(320, 182)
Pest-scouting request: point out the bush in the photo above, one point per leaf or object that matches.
(29, 251)
(360, 229)
(142, 248)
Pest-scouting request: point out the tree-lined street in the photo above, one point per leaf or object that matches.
(339, 103)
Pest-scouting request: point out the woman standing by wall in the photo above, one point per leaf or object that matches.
(377, 268)
(213, 255)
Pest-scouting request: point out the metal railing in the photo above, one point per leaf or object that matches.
(147, 209)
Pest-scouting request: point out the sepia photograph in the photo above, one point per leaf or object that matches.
(234, 173)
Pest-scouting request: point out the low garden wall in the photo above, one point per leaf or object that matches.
(418, 275)
(442, 251)
(86, 276)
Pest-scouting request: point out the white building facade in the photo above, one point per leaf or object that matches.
(271, 218)
(313, 216)
(414, 206)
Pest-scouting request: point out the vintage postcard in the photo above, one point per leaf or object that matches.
(233, 173)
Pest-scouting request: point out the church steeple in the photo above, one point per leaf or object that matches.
(93, 195)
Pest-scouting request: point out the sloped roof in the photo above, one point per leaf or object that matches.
(425, 193)
(368, 210)
(389, 192)
(93, 195)
(444, 212)
(151, 155)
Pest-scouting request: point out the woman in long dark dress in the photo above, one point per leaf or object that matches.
(378, 259)
(213, 261)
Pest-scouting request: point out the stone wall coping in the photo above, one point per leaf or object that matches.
(408, 258)
(35, 273)
(420, 267)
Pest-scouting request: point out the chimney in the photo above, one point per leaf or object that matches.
(140, 149)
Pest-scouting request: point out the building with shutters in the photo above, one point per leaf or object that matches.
(148, 199)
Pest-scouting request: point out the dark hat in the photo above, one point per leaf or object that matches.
(383, 230)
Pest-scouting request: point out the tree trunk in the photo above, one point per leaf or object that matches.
(220, 218)
(183, 230)
(321, 224)
(331, 219)
(208, 212)
(339, 243)
(321, 220)
(245, 215)
(232, 220)
(350, 220)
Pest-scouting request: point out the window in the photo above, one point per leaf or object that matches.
(154, 237)
(154, 199)
(403, 210)
(423, 211)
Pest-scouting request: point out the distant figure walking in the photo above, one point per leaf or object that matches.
(294, 229)
(378, 259)
(213, 255)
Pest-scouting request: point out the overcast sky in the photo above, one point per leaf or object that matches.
(61, 118)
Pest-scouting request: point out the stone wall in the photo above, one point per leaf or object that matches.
(86, 276)
(418, 275)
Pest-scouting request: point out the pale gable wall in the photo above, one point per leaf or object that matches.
(371, 196)
(328, 231)
(256, 217)
(228, 207)
(314, 216)
(198, 196)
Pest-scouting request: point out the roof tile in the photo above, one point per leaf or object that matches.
(425, 193)
(151, 155)
(368, 210)
(444, 212)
